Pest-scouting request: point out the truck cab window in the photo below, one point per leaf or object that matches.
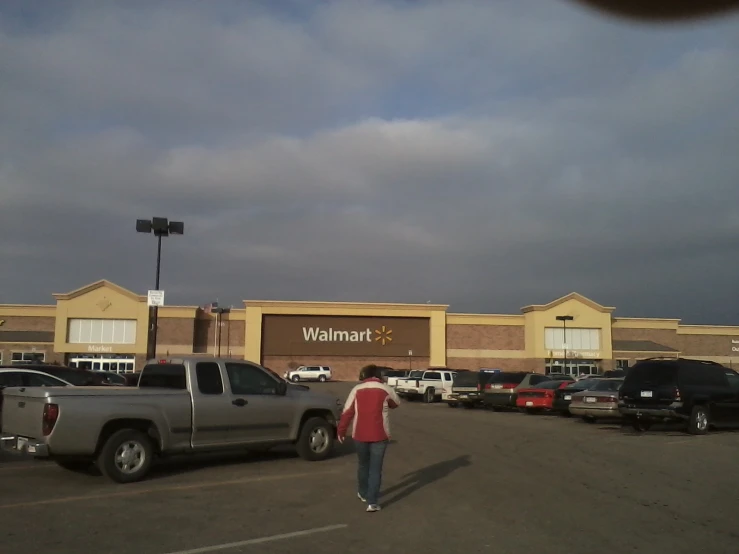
(209, 378)
(248, 379)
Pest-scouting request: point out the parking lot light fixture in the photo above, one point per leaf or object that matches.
(160, 227)
(564, 319)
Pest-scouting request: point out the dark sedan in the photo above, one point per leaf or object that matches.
(78, 377)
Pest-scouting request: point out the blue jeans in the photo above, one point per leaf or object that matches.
(369, 473)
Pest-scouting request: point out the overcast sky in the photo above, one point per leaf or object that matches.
(483, 154)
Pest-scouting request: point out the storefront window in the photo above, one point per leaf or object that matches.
(572, 367)
(17, 358)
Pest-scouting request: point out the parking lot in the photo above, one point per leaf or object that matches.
(455, 481)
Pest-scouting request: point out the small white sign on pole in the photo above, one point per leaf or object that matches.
(410, 352)
(156, 298)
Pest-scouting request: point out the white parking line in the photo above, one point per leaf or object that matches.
(261, 540)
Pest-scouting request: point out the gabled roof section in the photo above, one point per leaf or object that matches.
(103, 283)
(572, 296)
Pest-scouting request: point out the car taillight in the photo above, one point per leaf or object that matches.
(508, 386)
(48, 420)
(607, 399)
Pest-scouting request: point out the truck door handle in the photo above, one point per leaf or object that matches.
(239, 402)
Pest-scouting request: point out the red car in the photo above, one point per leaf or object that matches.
(539, 398)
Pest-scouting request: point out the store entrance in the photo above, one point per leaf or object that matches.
(102, 362)
(575, 368)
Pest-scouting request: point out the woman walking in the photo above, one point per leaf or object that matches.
(367, 411)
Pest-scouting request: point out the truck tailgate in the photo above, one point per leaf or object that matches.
(22, 413)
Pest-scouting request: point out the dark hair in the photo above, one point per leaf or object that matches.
(367, 372)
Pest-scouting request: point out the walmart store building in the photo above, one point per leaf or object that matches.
(104, 326)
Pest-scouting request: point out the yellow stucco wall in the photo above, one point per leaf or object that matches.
(585, 317)
(103, 301)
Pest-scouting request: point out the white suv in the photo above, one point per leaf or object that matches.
(309, 373)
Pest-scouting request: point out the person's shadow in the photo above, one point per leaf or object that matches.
(425, 476)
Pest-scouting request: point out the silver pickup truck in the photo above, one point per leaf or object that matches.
(180, 406)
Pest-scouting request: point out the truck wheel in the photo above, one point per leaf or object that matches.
(699, 421)
(126, 456)
(295, 378)
(316, 440)
(429, 395)
(322, 378)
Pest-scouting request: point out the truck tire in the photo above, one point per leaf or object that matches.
(316, 440)
(429, 395)
(699, 420)
(322, 378)
(295, 378)
(126, 456)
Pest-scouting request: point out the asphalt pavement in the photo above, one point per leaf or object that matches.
(455, 481)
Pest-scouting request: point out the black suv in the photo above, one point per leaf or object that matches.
(703, 394)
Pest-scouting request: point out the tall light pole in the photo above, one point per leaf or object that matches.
(219, 323)
(161, 227)
(564, 319)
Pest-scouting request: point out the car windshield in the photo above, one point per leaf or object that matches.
(547, 385)
(507, 377)
(585, 384)
(608, 385)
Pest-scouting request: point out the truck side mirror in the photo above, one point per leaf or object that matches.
(281, 388)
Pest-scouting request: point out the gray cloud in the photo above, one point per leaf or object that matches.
(486, 155)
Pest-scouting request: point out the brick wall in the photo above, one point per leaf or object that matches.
(28, 323)
(506, 364)
(233, 333)
(343, 368)
(486, 337)
(7, 348)
(177, 331)
(706, 345)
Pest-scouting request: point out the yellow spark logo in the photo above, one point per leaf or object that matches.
(383, 335)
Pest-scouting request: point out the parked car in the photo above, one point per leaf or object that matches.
(563, 396)
(78, 377)
(502, 388)
(113, 378)
(309, 373)
(467, 388)
(431, 385)
(699, 393)
(19, 377)
(560, 377)
(182, 406)
(598, 402)
(539, 398)
(391, 377)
